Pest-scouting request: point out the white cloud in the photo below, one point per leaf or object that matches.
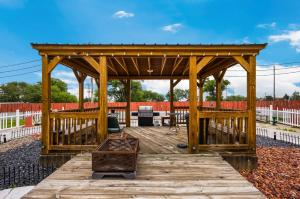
(173, 28)
(123, 14)
(267, 25)
(293, 37)
(264, 84)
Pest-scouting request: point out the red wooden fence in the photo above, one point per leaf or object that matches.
(157, 106)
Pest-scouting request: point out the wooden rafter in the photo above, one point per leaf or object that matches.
(216, 68)
(122, 65)
(54, 62)
(176, 82)
(176, 65)
(92, 62)
(135, 63)
(203, 62)
(163, 63)
(242, 62)
(112, 66)
(76, 67)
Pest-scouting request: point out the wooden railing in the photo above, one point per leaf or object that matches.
(120, 113)
(73, 131)
(182, 110)
(223, 128)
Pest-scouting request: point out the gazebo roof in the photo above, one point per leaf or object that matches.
(148, 61)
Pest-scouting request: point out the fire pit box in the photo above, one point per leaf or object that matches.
(116, 154)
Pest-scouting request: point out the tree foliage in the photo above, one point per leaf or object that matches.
(179, 95)
(25, 92)
(235, 98)
(116, 92)
(210, 88)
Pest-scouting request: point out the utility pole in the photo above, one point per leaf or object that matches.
(274, 96)
(92, 90)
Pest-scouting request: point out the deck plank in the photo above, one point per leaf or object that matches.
(163, 172)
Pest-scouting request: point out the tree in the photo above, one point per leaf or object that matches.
(269, 98)
(59, 92)
(24, 92)
(13, 91)
(286, 97)
(235, 98)
(153, 96)
(295, 96)
(116, 92)
(210, 88)
(179, 95)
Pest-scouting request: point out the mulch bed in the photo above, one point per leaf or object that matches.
(278, 172)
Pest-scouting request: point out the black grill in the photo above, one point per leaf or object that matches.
(145, 115)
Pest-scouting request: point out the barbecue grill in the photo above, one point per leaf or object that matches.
(145, 115)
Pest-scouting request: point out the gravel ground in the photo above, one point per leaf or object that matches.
(278, 172)
(20, 152)
(269, 142)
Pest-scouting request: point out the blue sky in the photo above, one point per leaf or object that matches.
(276, 22)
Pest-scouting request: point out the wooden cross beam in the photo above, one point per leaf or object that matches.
(203, 62)
(92, 62)
(135, 63)
(242, 62)
(176, 64)
(54, 62)
(122, 65)
(163, 63)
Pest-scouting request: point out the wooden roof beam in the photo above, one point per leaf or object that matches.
(242, 62)
(136, 65)
(163, 63)
(92, 62)
(203, 62)
(112, 66)
(122, 65)
(54, 62)
(176, 64)
(71, 65)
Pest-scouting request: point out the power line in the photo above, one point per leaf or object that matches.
(271, 68)
(266, 74)
(19, 74)
(7, 71)
(22, 63)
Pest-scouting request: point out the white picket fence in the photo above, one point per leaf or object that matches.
(289, 117)
(13, 120)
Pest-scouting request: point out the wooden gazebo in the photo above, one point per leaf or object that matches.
(86, 128)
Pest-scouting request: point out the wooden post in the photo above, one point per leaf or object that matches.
(252, 102)
(193, 116)
(102, 119)
(200, 87)
(128, 93)
(81, 95)
(46, 99)
(218, 92)
(172, 110)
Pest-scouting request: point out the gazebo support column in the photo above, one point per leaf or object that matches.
(80, 78)
(128, 93)
(219, 78)
(46, 99)
(193, 118)
(102, 120)
(172, 110)
(200, 87)
(251, 87)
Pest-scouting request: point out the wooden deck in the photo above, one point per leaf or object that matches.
(164, 171)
